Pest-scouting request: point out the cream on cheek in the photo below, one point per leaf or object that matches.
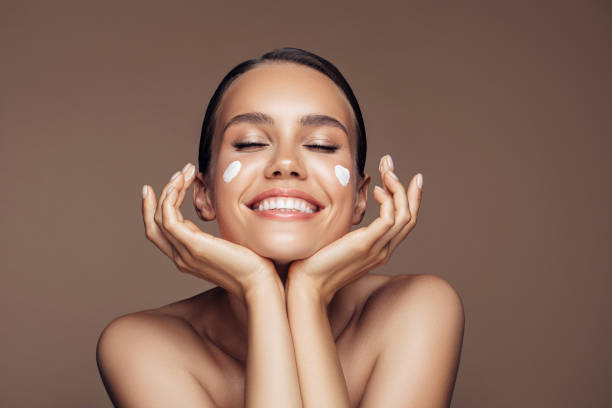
(231, 171)
(342, 174)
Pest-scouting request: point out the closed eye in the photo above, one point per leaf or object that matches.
(327, 148)
(239, 145)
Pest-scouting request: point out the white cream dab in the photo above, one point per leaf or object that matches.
(343, 174)
(231, 171)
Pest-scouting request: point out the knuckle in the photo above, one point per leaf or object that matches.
(388, 222)
(384, 254)
(167, 223)
(413, 221)
(404, 218)
(149, 233)
(158, 219)
(180, 263)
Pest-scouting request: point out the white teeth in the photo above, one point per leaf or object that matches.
(285, 204)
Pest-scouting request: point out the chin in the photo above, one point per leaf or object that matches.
(284, 253)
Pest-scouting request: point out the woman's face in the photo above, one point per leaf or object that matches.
(287, 127)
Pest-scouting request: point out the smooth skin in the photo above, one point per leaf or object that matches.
(285, 330)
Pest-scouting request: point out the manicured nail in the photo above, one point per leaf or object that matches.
(379, 189)
(392, 174)
(144, 191)
(420, 180)
(382, 159)
(169, 190)
(186, 167)
(175, 175)
(390, 162)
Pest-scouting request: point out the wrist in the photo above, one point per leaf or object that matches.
(303, 288)
(262, 284)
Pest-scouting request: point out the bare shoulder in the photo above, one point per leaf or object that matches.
(420, 287)
(415, 326)
(146, 359)
(353, 295)
(407, 301)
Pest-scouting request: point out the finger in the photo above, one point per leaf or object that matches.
(394, 187)
(172, 224)
(152, 231)
(414, 199)
(369, 235)
(175, 188)
(386, 163)
(162, 196)
(401, 206)
(188, 173)
(177, 249)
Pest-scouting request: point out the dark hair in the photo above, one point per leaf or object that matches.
(287, 54)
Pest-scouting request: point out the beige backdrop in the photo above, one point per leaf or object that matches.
(506, 110)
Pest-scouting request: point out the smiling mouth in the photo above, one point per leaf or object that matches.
(285, 202)
(284, 205)
(285, 208)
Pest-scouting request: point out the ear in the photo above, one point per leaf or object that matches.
(203, 198)
(361, 199)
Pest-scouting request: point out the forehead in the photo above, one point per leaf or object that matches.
(285, 91)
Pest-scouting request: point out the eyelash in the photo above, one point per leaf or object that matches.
(327, 148)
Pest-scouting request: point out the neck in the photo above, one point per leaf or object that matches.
(282, 269)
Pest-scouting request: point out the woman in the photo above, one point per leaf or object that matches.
(296, 319)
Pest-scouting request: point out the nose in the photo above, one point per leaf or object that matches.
(285, 163)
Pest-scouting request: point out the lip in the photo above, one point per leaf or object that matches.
(285, 215)
(286, 192)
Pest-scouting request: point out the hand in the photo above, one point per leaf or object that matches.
(359, 251)
(231, 266)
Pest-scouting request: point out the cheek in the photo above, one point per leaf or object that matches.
(231, 171)
(234, 178)
(342, 174)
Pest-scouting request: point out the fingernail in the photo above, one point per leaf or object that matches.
(379, 189)
(169, 190)
(420, 180)
(191, 171)
(392, 174)
(144, 191)
(382, 159)
(390, 162)
(175, 175)
(186, 167)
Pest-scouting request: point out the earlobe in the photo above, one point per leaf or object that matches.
(202, 199)
(362, 198)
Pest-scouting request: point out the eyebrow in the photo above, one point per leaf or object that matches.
(260, 118)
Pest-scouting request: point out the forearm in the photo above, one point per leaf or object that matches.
(322, 381)
(271, 372)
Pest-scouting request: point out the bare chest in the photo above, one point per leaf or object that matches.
(227, 383)
(354, 346)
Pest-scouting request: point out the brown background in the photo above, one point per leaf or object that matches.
(505, 109)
